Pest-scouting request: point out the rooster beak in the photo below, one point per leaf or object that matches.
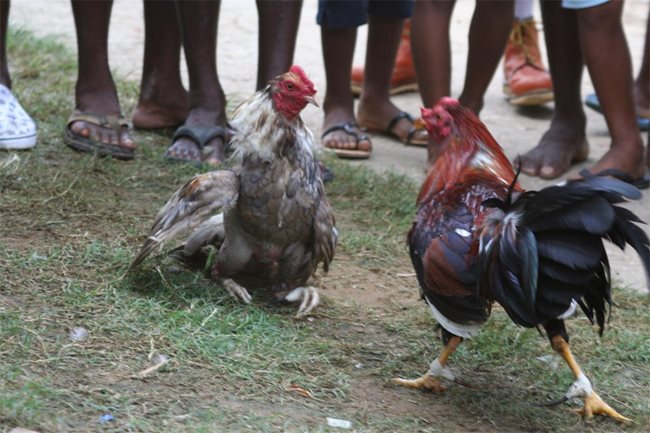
(419, 123)
(311, 100)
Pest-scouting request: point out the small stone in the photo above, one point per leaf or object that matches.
(158, 358)
(78, 333)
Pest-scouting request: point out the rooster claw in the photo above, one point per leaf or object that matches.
(309, 296)
(237, 291)
(424, 383)
(594, 405)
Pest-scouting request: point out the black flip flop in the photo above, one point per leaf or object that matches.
(411, 133)
(642, 182)
(199, 135)
(349, 128)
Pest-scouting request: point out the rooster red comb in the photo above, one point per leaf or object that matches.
(299, 72)
(437, 120)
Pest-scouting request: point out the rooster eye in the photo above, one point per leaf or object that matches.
(290, 86)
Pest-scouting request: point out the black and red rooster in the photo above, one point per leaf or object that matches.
(479, 238)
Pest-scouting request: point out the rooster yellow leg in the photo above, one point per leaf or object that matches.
(581, 388)
(430, 381)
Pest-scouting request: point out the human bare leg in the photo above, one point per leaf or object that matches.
(95, 94)
(603, 44)
(493, 18)
(203, 137)
(564, 143)
(278, 27)
(163, 101)
(642, 82)
(340, 131)
(430, 45)
(5, 78)
(376, 111)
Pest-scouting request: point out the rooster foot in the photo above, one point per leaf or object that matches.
(431, 380)
(424, 383)
(236, 291)
(594, 405)
(310, 299)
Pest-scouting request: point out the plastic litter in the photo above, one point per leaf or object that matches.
(341, 423)
(107, 417)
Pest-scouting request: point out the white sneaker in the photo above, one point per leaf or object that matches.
(17, 129)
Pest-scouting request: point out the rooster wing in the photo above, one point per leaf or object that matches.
(193, 204)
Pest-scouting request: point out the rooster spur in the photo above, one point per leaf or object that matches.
(479, 238)
(268, 217)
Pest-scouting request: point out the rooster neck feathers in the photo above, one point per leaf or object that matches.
(468, 151)
(264, 133)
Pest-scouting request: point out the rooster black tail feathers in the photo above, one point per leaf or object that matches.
(625, 229)
(555, 236)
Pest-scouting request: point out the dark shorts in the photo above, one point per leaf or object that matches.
(340, 14)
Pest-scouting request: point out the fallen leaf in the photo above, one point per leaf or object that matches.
(300, 390)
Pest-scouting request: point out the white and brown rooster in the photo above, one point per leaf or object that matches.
(268, 217)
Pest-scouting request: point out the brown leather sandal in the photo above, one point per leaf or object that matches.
(89, 145)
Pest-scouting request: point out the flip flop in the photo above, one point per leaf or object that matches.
(89, 145)
(389, 131)
(642, 182)
(200, 136)
(643, 115)
(349, 128)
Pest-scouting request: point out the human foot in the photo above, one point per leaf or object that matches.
(97, 125)
(343, 136)
(560, 147)
(628, 162)
(99, 134)
(201, 140)
(382, 116)
(161, 108)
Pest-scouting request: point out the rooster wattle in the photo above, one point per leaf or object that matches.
(479, 238)
(268, 217)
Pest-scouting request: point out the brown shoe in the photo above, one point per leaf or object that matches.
(403, 78)
(527, 82)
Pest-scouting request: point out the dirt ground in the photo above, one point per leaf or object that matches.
(367, 295)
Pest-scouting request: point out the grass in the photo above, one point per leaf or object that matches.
(71, 223)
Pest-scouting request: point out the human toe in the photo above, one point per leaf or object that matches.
(125, 139)
(529, 164)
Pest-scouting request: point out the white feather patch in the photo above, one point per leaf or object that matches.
(438, 370)
(569, 312)
(483, 159)
(465, 331)
(580, 388)
(216, 219)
